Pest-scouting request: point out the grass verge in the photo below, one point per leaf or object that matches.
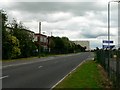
(88, 75)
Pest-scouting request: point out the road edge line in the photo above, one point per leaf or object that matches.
(68, 74)
(3, 77)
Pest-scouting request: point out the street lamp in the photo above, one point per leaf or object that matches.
(39, 37)
(109, 33)
(109, 21)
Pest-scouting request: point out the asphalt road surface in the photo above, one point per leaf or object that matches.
(40, 73)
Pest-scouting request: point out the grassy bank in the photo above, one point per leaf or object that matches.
(88, 75)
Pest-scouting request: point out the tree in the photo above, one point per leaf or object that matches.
(4, 20)
(14, 44)
(51, 43)
(58, 45)
(25, 38)
(11, 47)
(66, 44)
(72, 47)
(5, 44)
(10, 44)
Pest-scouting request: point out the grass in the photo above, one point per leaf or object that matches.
(88, 75)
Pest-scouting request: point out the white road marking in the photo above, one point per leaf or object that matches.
(40, 66)
(3, 77)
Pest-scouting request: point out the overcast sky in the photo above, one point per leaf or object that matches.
(77, 20)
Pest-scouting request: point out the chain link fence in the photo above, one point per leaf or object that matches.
(110, 60)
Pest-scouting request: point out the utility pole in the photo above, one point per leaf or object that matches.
(108, 63)
(117, 63)
(51, 34)
(39, 37)
(118, 25)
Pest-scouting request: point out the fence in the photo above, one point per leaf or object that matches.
(110, 60)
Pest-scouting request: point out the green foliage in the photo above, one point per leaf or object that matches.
(58, 44)
(66, 44)
(4, 18)
(11, 47)
(15, 52)
(14, 42)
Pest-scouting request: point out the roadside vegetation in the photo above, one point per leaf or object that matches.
(18, 42)
(88, 75)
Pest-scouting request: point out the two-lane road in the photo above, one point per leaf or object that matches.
(40, 73)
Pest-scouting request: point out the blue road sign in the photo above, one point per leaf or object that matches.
(106, 46)
(105, 41)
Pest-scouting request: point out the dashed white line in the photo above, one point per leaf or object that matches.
(40, 66)
(3, 77)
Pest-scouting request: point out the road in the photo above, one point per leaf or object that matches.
(40, 73)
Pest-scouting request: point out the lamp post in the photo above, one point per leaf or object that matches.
(109, 21)
(109, 35)
(39, 37)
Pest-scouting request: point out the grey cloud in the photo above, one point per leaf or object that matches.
(78, 8)
(39, 10)
(88, 35)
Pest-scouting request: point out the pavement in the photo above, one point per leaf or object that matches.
(40, 72)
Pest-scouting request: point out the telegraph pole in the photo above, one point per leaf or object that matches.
(51, 34)
(39, 37)
(118, 25)
(117, 63)
(108, 63)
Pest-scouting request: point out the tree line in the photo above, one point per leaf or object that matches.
(17, 43)
(63, 45)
